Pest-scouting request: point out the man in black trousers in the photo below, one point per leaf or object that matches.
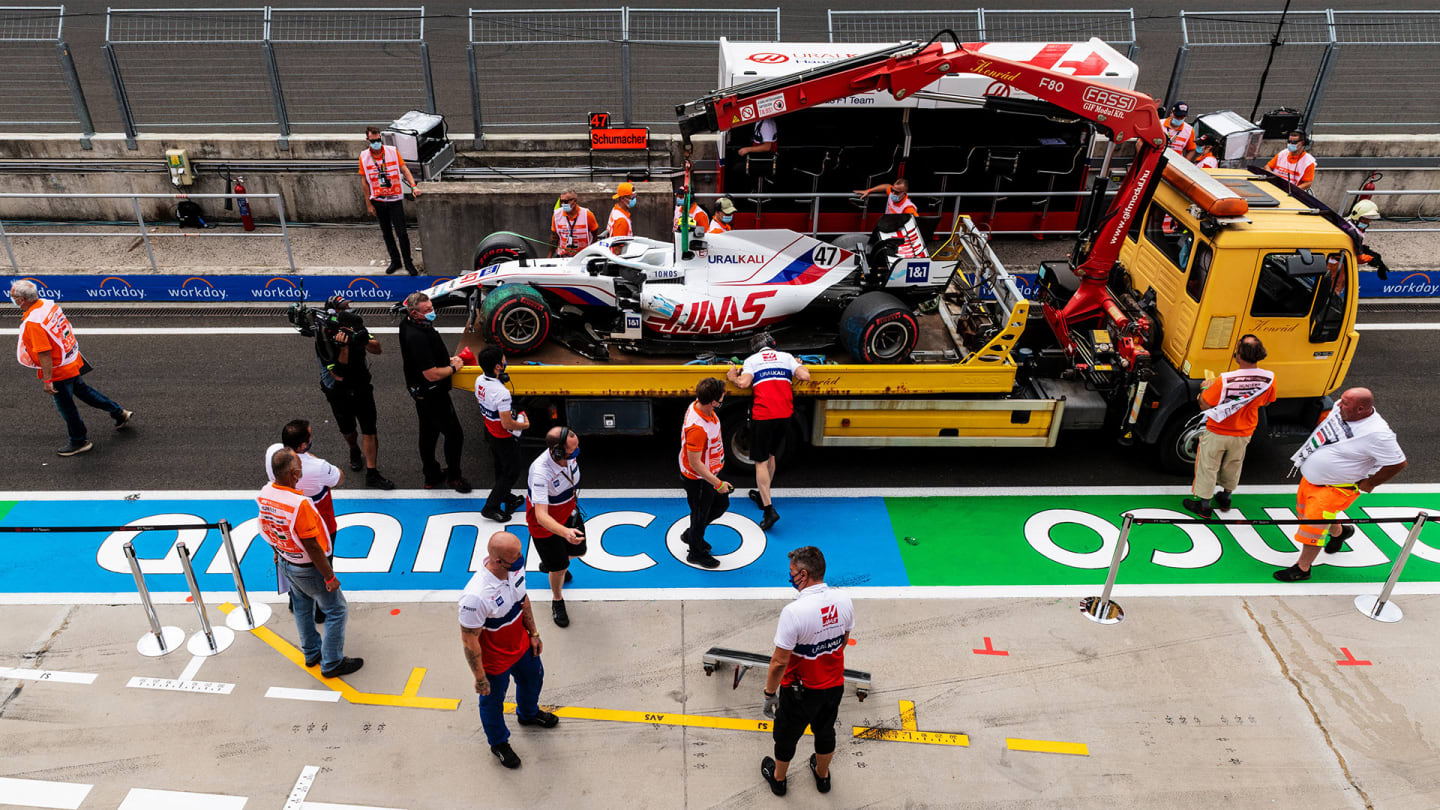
(428, 369)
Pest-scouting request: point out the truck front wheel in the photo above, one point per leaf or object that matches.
(1179, 442)
(735, 432)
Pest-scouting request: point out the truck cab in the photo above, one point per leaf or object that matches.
(1280, 271)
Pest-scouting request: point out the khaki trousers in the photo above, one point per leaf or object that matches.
(1218, 461)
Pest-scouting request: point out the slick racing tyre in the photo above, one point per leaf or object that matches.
(516, 318)
(502, 246)
(877, 327)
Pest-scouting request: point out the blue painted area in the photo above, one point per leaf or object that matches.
(230, 288)
(855, 535)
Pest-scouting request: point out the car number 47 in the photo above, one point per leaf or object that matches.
(826, 256)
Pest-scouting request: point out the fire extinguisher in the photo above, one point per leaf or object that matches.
(1369, 185)
(246, 221)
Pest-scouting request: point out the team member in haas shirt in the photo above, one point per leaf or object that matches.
(807, 670)
(553, 514)
(771, 372)
(702, 457)
(502, 430)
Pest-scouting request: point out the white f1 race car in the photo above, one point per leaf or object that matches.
(643, 295)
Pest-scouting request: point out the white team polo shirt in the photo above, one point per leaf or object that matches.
(316, 474)
(494, 399)
(813, 629)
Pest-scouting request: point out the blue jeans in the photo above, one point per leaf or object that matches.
(67, 391)
(307, 590)
(529, 675)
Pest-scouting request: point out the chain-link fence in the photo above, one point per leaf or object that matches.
(39, 90)
(266, 69)
(1338, 68)
(1114, 26)
(558, 65)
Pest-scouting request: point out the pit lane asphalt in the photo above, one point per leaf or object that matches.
(208, 405)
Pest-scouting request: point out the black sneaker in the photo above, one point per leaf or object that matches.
(506, 755)
(1292, 574)
(434, 483)
(1222, 500)
(771, 518)
(75, 448)
(375, 480)
(123, 418)
(1336, 542)
(495, 515)
(822, 783)
(557, 612)
(543, 719)
(410, 268)
(516, 503)
(755, 498)
(1199, 507)
(357, 459)
(702, 545)
(394, 266)
(458, 484)
(347, 666)
(767, 770)
(704, 559)
(310, 662)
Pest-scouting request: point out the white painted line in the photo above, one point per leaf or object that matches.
(302, 787)
(192, 668)
(329, 806)
(40, 793)
(54, 676)
(289, 693)
(174, 685)
(147, 799)
(1396, 327)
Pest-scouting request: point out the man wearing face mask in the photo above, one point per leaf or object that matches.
(620, 223)
(807, 670)
(381, 168)
(699, 220)
(724, 215)
(317, 478)
(1205, 152)
(428, 369)
(557, 529)
(1361, 216)
(702, 458)
(1179, 135)
(897, 200)
(500, 639)
(503, 425)
(572, 227)
(1294, 163)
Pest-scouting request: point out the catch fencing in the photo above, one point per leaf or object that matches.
(1115, 26)
(39, 89)
(266, 69)
(547, 69)
(1345, 71)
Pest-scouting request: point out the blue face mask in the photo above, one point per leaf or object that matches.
(574, 454)
(376, 145)
(518, 565)
(726, 218)
(430, 316)
(1293, 147)
(897, 196)
(567, 207)
(630, 203)
(794, 583)
(1177, 121)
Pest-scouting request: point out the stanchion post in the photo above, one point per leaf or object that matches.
(1100, 609)
(160, 640)
(210, 640)
(248, 617)
(1380, 608)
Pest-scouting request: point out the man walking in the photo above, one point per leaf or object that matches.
(345, 381)
(380, 170)
(289, 523)
(553, 513)
(1352, 451)
(48, 345)
(428, 369)
(702, 457)
(502, 428)
(497, 631)
(771, 372)
(1232, 402)
(807, 670)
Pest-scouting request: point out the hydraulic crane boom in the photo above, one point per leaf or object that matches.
(906, 69)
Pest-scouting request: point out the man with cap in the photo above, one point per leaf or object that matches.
(1294, 163)
(1179, 135)
(620, 222)
(1205, 152)
(724, 214)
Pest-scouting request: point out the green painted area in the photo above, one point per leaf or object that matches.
(5, 507)
(983, 541)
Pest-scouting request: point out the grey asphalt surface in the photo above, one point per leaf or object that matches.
(207, 406)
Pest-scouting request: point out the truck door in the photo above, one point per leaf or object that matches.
(1300, 309)
(1163, 259)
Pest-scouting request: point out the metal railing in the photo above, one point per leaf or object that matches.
(1353, 195)
(143, 231)
(39, 89)
(1114, 26)
(266, 68)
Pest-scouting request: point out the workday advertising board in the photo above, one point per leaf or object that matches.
(410, 547)
(225, 289)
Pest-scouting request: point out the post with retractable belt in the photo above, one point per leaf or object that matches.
(249, 616)
(1380, 608)
(1100, 609)
(210, 640)
(160, 640)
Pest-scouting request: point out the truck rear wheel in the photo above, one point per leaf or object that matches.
(1179, 442)
(735, 432)
(502, 246)
(516, 318)
(877, 327)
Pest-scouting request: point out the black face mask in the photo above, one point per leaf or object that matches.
(503, 377)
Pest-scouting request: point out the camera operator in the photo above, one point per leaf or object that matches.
(341, 345)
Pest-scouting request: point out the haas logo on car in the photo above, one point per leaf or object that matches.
(768, 58)
(715, 317)
(1109, 102)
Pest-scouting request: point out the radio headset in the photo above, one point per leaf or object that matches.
(560, 450)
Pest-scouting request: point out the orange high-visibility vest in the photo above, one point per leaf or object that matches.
(280, 510)
(574, 234)
(713, 454)
(382, 185)
(620, 223)
(49, 317)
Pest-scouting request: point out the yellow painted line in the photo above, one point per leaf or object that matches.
(658, 718)
(907, 715)
(412, 686)
(407, 700)
(1047, 746)
(911, 736)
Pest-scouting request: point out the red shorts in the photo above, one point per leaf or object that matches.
(1315, 502)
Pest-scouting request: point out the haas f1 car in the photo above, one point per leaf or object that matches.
(646, 296)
